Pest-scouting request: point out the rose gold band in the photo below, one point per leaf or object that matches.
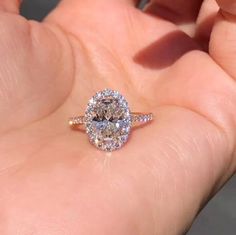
(137, 118)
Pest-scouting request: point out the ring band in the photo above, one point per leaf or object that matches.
(137, 118)
(108, 120)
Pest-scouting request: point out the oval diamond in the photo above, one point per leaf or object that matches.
(108, 120)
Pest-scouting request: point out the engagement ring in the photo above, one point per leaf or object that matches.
(108, 120)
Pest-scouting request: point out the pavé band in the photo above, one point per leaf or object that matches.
(137, 118)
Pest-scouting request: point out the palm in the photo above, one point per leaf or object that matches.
(54, 178)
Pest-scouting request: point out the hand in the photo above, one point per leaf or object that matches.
(52, 180)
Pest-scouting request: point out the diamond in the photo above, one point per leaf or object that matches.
(108, 120)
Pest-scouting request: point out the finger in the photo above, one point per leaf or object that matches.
(205, 22)
(180, 11)
(223, 38)
(12, 6)
(228, 6)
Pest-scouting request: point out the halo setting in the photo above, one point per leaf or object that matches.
(108, 120)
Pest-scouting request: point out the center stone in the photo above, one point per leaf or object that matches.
(108, 120)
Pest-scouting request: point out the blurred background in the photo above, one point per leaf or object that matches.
(219, 217)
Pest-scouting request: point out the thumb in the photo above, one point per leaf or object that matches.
(223, 39)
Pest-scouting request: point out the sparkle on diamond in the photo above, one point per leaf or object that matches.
(108, 120)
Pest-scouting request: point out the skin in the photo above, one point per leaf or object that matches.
(52, 180)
